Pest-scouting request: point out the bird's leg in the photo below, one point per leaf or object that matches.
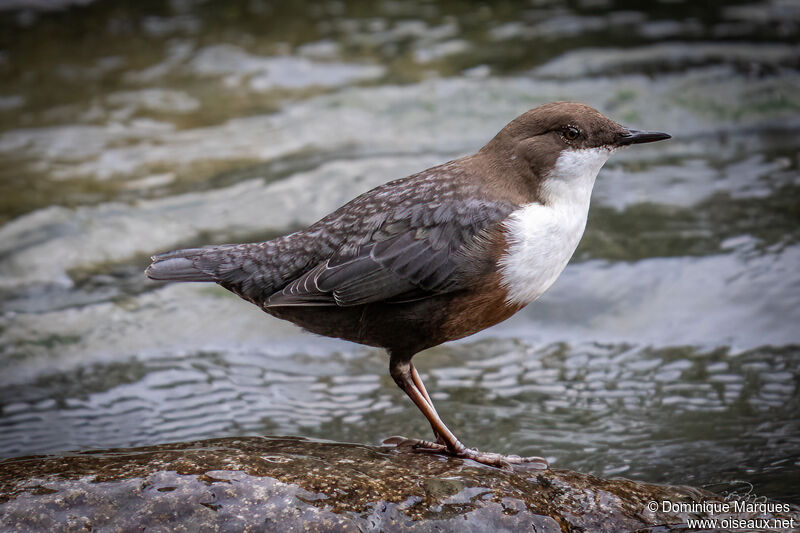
(419, 384)
(421, 388)
(403, 373)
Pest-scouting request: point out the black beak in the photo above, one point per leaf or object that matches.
(639, 137)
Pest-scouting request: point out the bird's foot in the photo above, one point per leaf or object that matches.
(497, 460)
(503, 461)
(416, 445)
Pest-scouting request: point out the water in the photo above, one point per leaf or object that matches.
(668, 351)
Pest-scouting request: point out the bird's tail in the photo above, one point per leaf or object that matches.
(246, 269)
(181, 265)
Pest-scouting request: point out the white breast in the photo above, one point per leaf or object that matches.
(543, 236)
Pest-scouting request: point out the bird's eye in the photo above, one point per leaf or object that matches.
(571, 133)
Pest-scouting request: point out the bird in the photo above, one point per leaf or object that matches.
(432, 257)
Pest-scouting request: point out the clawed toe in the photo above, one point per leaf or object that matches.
(415, 444)
(504, 461)
(491, 459)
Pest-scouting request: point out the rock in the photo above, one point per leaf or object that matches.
(294, 484)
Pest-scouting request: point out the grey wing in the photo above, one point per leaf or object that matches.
(415, 254)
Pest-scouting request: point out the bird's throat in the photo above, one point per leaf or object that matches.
(542, 236)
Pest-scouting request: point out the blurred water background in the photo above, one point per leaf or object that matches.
(668, 351)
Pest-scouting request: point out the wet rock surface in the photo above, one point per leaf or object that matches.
(292, 484)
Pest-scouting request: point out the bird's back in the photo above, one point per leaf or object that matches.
(409, 239)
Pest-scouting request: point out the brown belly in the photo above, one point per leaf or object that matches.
(407, 327)
(478, 310)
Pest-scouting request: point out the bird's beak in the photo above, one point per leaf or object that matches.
(639, 137)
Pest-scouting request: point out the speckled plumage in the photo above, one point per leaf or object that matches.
(437, 209)
(409, 240)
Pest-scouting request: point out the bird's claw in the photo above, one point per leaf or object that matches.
(488, 458)
(503, 461)
(417, 445)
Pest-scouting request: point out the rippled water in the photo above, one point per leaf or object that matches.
(668, 351)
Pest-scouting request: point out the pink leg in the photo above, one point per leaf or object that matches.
(408, 379)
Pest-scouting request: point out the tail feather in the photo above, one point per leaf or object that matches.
(251, 270)
(179, 265)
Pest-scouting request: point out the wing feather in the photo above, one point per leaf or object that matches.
(413, 257)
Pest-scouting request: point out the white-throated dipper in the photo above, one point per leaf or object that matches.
(435, 256)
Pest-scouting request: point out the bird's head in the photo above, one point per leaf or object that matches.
(565, 141)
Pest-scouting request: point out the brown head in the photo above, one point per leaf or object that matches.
(532, 143)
